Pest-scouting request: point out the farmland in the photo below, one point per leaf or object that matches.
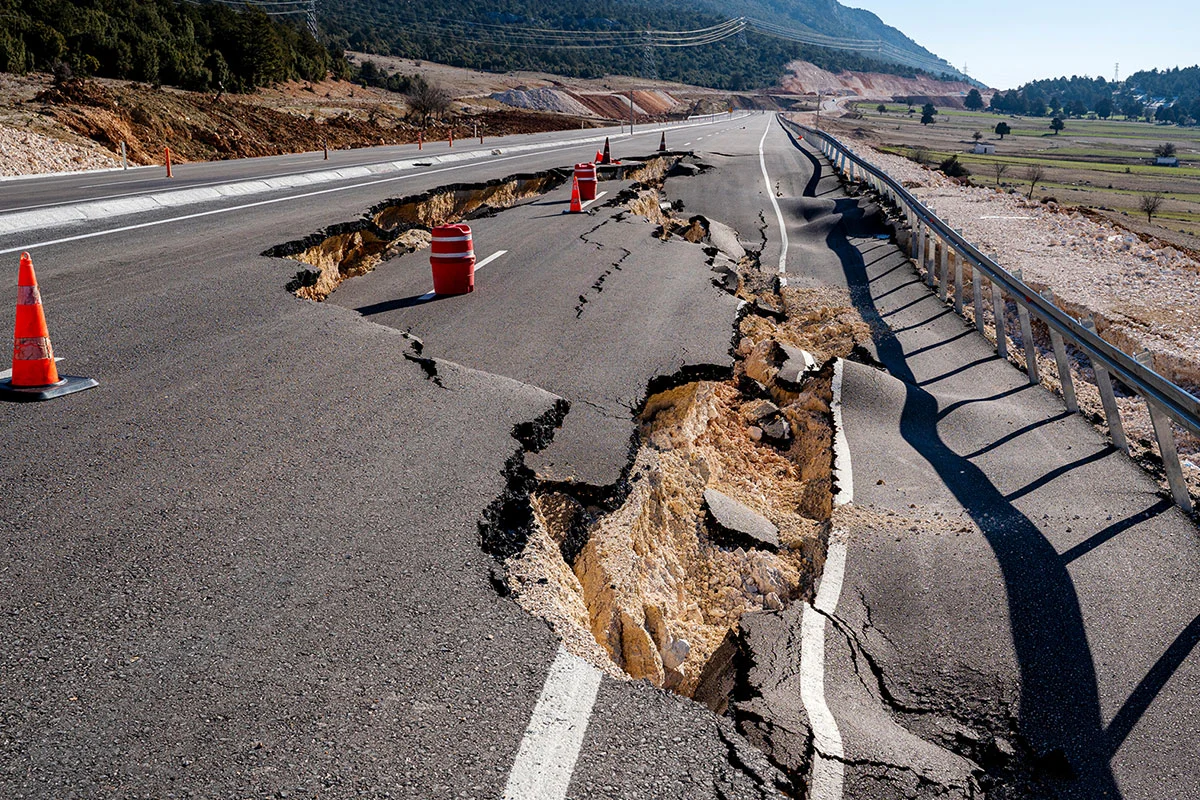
(1106, 165)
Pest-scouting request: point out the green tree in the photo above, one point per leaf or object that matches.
(974, 101)
(881, 108)
(1002, 130)
(1165, 150)
(1057, 125)
(1104, 108)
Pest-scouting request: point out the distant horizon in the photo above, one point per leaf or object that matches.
(1005, 50)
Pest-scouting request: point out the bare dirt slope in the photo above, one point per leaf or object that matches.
(805, 78)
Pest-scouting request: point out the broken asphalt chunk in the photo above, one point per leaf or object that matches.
(737, 525)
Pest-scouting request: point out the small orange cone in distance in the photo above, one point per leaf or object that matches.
(599, 158)
(34, 373)
(576, 206)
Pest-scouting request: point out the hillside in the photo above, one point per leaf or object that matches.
(608, 37)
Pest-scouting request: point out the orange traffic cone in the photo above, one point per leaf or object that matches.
(662, 143)
(607, 157)
(576, 206)
(599, 157)
(34, 374)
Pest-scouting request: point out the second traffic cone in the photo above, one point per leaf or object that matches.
(34, 373)
(576, 206)
(607, 157)
(662, 143)
(599, 158)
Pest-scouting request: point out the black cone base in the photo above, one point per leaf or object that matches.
(24, 394)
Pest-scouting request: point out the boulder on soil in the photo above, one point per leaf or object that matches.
(770, 305)
(796, 363)
(777, 431)
(760, 410)
(737, 525)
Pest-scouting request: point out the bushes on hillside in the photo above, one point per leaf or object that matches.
(161, 42)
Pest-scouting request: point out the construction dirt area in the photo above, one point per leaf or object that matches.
(81, 124)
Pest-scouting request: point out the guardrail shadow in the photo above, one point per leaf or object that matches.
(1059, 714)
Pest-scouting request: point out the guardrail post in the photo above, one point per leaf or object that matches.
(958, 279)
(1166, 444)
(944, 288)
(1031, 365)
(1000, 322)
(1112, 412)
(1064, 365)
(929, 258)
(977, 288)
(922, 232)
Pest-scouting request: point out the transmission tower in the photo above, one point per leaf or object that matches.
(311, 17)
(1117, 73)
(649, 58)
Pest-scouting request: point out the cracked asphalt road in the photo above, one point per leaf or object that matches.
(589, 307)
(248, 564)
(1020, 610)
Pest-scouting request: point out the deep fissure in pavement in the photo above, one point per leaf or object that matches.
(399, 226)
(723, 507)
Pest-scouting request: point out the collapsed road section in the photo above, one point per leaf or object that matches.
(684, 484)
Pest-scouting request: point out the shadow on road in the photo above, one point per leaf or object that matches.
(403, 302)
(1060, 708)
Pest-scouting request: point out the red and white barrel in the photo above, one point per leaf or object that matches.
(586, 175)
(452, 256)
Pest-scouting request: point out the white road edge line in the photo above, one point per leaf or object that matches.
(589, 202)
(828, 770)
(546, 758)
(762, 162)
(843, 473)
(289, 198)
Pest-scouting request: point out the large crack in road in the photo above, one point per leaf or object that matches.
(721, 511)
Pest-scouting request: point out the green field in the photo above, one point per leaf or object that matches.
(1105, 164)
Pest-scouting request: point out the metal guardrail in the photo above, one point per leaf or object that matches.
(1165, 400)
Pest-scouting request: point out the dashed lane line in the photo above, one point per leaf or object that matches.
(783, 236)
(546, 758)
(594, 199)
(828, 770)
(479, 266)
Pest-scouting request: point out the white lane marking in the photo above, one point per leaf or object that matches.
(272, 201)
(843, 473)
(685, 144)
(256, 204)
(8, 372)
(594, 199)
(479, 266)
(469, 153)
(489, 259)
(762, 162)
(828, 770)
(546, 758)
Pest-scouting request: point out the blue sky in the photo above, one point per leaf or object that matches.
(1009, 42)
